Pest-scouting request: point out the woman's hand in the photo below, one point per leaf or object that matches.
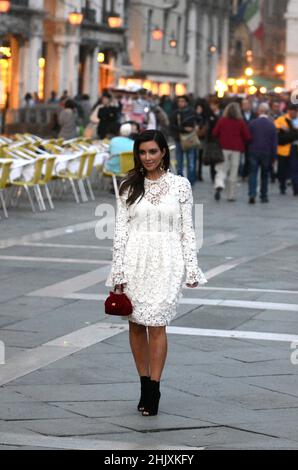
(118, 288)
(192, 286)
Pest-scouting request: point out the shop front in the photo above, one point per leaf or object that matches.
(157, 84)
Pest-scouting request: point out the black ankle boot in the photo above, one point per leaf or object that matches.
(145, 381)
(217, 195)
(153, 397)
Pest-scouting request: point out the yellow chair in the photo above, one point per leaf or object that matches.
(4, 182)
(126, 162)
(78, 147)
(48, 176)
(34, 183)
(89, 170)
(3, 147)
(78, 176)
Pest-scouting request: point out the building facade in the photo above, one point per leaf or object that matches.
(168, 46)
(190, 54)
(208, 44)
(42, 52)
(263, 53)
(292, 46)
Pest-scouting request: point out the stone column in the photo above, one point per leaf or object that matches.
(202, 67)
(72, 68)
(292, 46)
(61, 68)
(213, 55)
(91, 75)
(192, 47)
(34, 52)
(224, 56)
(24, 66)
(52, 70)
(15, 97)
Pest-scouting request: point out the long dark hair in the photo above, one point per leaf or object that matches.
(233, 111)
(135, 177)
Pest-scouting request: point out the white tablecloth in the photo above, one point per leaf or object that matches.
(24, 169)
(20, 169)
(71, 162)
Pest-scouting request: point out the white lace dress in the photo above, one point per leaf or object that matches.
(154, 247)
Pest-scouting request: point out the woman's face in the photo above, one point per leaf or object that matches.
(105, 100)
(151, 155)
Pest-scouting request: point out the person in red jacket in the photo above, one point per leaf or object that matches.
(232, 133)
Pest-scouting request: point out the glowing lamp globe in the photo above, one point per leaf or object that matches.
(115, 21)
(157, 34)
(249, 72)
(280, 69)
(4, 6)
(75, 18)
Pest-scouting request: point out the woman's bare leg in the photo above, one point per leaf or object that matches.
(140, 348)
(158, 349)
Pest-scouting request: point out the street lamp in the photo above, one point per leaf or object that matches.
(249, 71)
(173, 43)
(157, 34)
(221, 88)
(101, 57)
(75, 18)
(280, 69)
(249, 55)
(241, 82)
(4, 6)
(114, 20)
(252, 90)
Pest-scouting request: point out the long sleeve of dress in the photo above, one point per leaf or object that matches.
(116, 275)
(189, 246)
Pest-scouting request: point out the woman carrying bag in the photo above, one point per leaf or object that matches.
(233, 134)
(184, 132)
(154, 246)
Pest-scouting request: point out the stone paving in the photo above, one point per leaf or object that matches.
(69, 381)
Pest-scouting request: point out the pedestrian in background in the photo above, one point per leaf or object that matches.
(274, 113)
(64, 97)
(68, 121)
(28, 101)
(287, 136)
(215, 115)
(275, 110)
(166, 104)
(233, 134)
(53, 99)
(294, 159)
(183, 121)
(262, 150)
(108, 115)
(86, 109)
(202, 117)
(248, 115)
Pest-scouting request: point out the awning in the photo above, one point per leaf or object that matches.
(168, 78)
(269, 83)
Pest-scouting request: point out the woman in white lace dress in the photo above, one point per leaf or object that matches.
(154, 247)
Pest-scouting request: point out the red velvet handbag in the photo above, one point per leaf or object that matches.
(118, 304)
